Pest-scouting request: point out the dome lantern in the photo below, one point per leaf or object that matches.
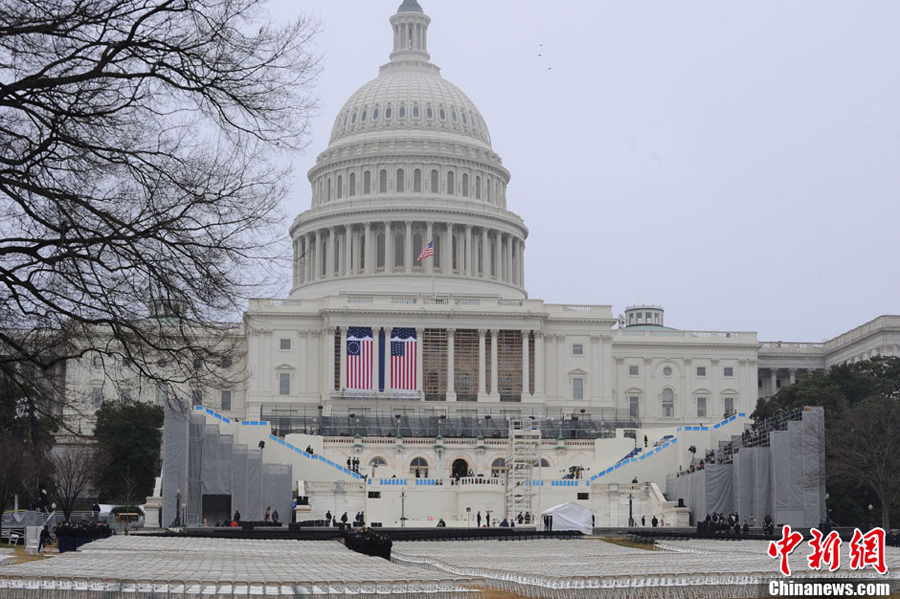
(410, 33)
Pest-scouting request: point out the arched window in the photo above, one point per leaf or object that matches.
(477, 187)
(352, 191)
(416, 111)
(402, 112)
(340, 187)
(488, 189)
(435, 185)
(400, 183)
(417, 180)
(498, 467)
(367, 183)
(329, 190)
(437, 251)
(450, 190)
(382, 181)
(421, 464)
(388, 113)
(379, 243)
(362, 252)
(429, 113)
(399, 248)
(375, 115)
(543, 463)
(363, 118)
(417, 246)
(465, 185)
(377, 462)
(668, 402)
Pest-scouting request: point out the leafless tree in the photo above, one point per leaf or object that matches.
(865, 449)
(140, 152)
(73, 470)
(12, 459)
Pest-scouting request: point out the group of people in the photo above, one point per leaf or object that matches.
(353, 464)
(271, 516)
(358, 520)
(368, 542)
(72, 535)
(731, 524)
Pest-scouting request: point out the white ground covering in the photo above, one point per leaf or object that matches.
(142, 567)
(7, 556)
(594, 568)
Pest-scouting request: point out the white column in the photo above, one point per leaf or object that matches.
(318, 264)
(408, 248)
(498, 274)
(773, 374)
(485, 255)
(607, 368)
(793, 373)
(451, 365)
(329, 361)
(429, 236)
(420, 354)
(388, 248)
(370, 254)
(509, 242)
(348, 235)
(482, 384)
(522, 263)
(538, 363)
(329, 258)
(594, 378)
(469, 262)
(526, 378)
(495, 337)
(447, 249)
(387, 361)
(343, 358)
(375, 357)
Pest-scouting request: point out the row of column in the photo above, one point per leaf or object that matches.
(355, 247)
(451, 361)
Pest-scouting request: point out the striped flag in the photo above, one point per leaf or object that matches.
(403, 359)
(359, 358)
(427, 251)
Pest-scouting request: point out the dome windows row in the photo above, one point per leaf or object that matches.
(382, 181)
(451, 117)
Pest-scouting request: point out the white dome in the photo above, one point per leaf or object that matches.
(410, 99)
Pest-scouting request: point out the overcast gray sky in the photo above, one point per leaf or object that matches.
(735, 162)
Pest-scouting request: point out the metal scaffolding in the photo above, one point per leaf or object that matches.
(523, 454)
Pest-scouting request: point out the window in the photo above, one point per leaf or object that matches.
(162, 363)
(329, 189)
(435, 187)
(226, 400)
(478, 187)
(399, 248)
(417, 180)
(96, 396)
(377, 462)
(450, 190)
(498, 467)
(388, 113)
(97, 361)
(634, 406)
(375, 115)
(429, 113)
(421, 464)
(284, 344)
(729, 371)
(226, 363)
(465, 185)
(352, 191)
(577, 349)
(402, 112)
(382, 181)
(125, 394)
(417, 246)
(162, 394)
(634, 370)
(729, 405)
(353, 118)
(668, 403)
(578, 388)
(543, 463)
(443, 115)
(416, 111)
(701, 407)
(400, 183)
(374, 494)
(453, 115)
(362, 119)
(701, 371)
(197, 397)
(198, 363)
(340, 187)
(583, 496)
(379, 250)
(667, 371)
(367, 183)
(284, 383)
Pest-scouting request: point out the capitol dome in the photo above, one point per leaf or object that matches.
(409, 161)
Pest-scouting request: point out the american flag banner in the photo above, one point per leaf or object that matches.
(403, 359)
(427, 251)
(359, 358)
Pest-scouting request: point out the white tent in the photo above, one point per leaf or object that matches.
(571, 516)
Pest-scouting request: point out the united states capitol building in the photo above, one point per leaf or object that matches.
(420, 368)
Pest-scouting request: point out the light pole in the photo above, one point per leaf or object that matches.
(630, 514)
(403, 508)
(184, 512)
(177, 510)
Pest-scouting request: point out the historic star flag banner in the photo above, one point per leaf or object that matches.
(403, 359)
(359, 358)
(427, 251)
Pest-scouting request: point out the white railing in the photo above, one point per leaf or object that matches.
(792, 348)
(739, 336)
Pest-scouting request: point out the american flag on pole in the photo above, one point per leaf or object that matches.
(359, 358)
(427, 251)
(403, 359)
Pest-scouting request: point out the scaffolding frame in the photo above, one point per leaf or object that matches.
(523, 452)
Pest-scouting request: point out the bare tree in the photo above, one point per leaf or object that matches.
(74, 468)
(140, 143)
(864, 449)
(12, 458)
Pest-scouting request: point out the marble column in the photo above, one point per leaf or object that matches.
(420, 366)
(773, 373)
(495, 339)
(482, 384)
(408, 248)
(388, 248)
(370, 254)
(318, 264)
(428, 264)
(509, 259)
(468, 257)
(447, 250)
(793, 374)
(522, 263)
(485, 255)
(538, 363)
(526, 375)
(332, 245)
(343, 358)
(451, 364)
(495, 260)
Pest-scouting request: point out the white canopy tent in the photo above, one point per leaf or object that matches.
(571, 516)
